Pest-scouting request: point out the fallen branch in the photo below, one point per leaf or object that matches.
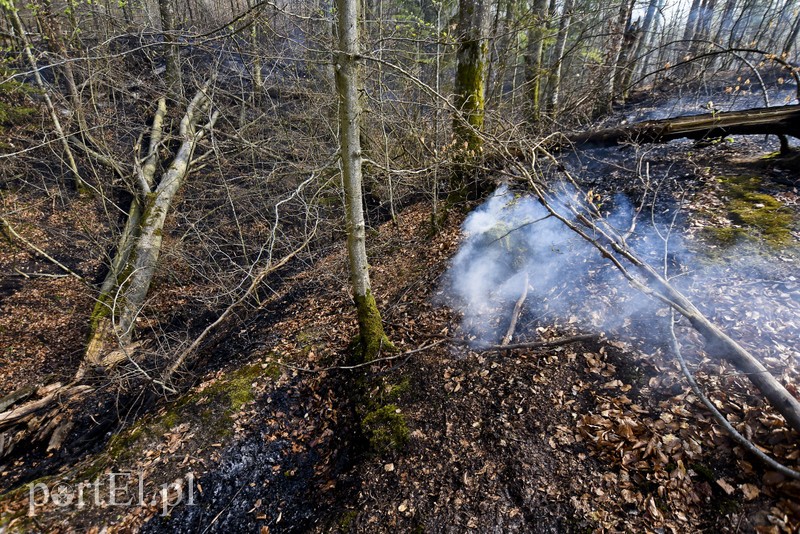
(103, 159)
(13, 233)
(269, 269)
(718, 417)
(515, 314)
(782, 120)
(540, 344)
(644, 278)
(407, 354)
(12, 398)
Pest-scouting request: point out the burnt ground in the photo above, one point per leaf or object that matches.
(594, 436)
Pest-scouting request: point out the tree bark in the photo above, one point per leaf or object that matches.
(783, 120)
(790, 41)
(614, 55)
(691, 21)
(554, 80)
(470, 81)
(535, 54)
(348, 86)
(172, 50)
(16, 24)
(125, 289)
(642, 43)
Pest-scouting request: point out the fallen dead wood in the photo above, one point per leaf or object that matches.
(718, 417)
(541, 344)
(783, 120)
(515, 314)
(6, 226)
(642, 276)
(123, 294)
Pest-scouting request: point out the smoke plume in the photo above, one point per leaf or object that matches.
(511, 238)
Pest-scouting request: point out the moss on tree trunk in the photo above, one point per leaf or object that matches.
(371, 335)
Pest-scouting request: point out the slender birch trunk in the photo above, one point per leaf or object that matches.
(16, 24)
(534, 59)
(554, 80)
(348, 86)
(125, 290)
(172, 50)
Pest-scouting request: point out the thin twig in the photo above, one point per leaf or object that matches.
(7, 226)
(358, 365)
(515, 314)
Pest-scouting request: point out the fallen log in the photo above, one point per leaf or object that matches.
(782, 120)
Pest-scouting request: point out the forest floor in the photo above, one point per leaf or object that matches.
(279, 435)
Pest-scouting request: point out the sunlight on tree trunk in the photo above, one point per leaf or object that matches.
(348, 85)
(554, 81)
(16, 24)
(536, 36)
(125, 289)
(470, 81)
(172, 51)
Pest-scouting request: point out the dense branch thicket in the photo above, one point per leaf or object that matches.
(204, 138)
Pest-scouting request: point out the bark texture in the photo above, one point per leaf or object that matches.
(783, 120)
(470, 81)
(125, 290)
(534, 56)
(554, 80)
(348, 86)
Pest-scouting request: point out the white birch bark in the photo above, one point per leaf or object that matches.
(348, 87)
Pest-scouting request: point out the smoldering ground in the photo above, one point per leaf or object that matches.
(512, 237)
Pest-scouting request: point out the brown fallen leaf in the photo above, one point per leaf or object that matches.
(750, 491)
(726, 487)
(653, 510)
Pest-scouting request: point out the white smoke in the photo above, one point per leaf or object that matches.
(510, 236)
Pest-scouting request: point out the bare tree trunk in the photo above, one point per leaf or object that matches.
(703, 30)
(127, 285)
(55, 41)
(16, 24)
(723, 36)
(172, 50)
(650, 39)
(626, 62)
(348, 87)
(640, 46)
(470, 81)
(784, 120)
(792, 39)
(554, 81)
(613, 54)
(534, 59)
(691, 21)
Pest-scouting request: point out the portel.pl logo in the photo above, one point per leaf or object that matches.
(112, 489)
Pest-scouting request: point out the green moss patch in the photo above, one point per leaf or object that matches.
(373, 339)
(212, 408)
(755, 215)
(385, 428)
